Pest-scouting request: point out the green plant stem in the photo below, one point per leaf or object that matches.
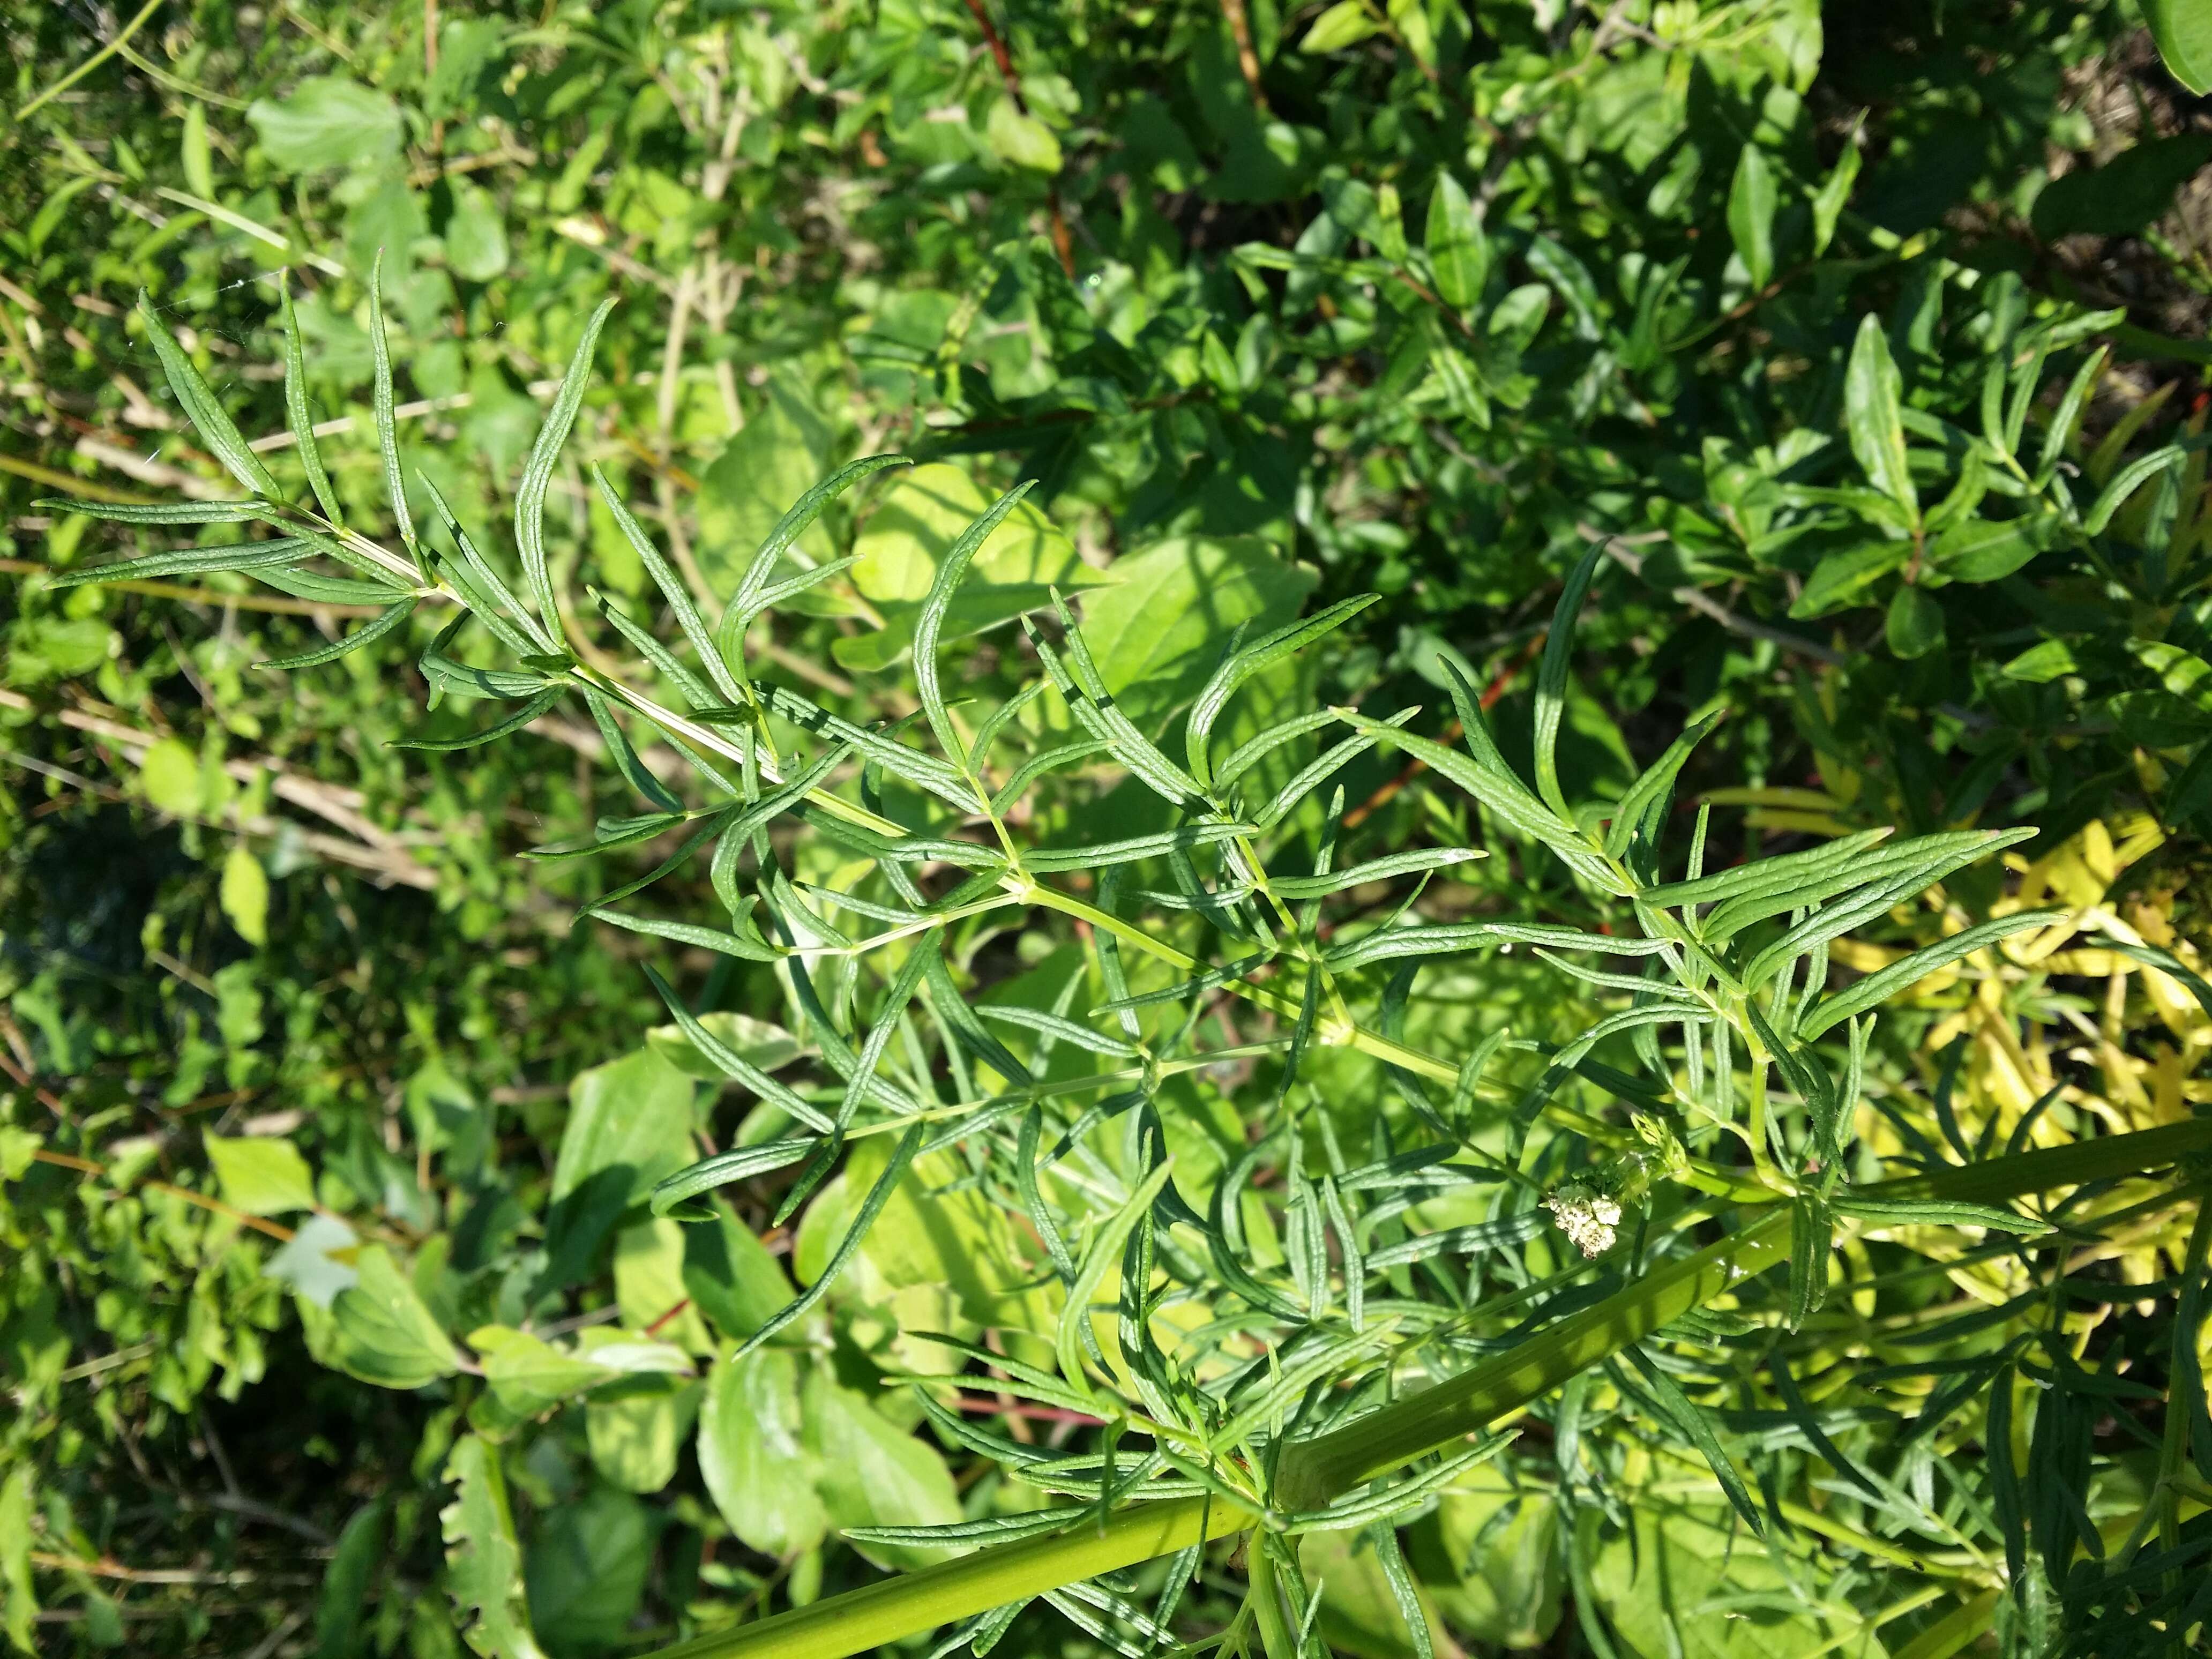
(89, 63)
(1313, 1473)
(864, 1619)
(1266, 1593)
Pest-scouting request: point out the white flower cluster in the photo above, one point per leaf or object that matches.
(1589, 1218)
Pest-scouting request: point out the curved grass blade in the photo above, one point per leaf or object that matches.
(387, 429)
(197, 399)
(1241, 664)
(672, 588)
(930, 623)
(1382, 1539)
(1296, 887)
(538, 472)
(1878, 987)
(1551, 679)
(296, 410)
(367, 633)
(673, 1193)
(856, 1233)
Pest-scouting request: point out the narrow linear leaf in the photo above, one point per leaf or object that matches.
(302, 583)
(1551, 678)
(930, 623)
(795, 523)
(1036, 1020)
(1655, 784)
(367, 633)
(387, 429)
(856, 1233)
(1932, 1213)
(724, 1169)
(1697, 1428)
(1878, 987)
(161, 512)
(1396, 864)
(733, 1065)
(296, 410)
(544, 456)
(521, 717)
(197, 399)
(1050, 860)
(717, 940)
(191, 561)
(1103, 1252)
(1241, 664)
(672, 587)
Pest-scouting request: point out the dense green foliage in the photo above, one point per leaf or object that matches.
(1301, 973)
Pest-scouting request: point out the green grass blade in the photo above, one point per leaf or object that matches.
(244, 556)
(724, 1169)
(161, 512)
(367, 633)
(197, 399)
(1551, 679)
(1241, 664)
(1878, 987)
(296, 410)
(544, 456)
(930, 623)
(856, 1233)
(387, 430)
(671, 586)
